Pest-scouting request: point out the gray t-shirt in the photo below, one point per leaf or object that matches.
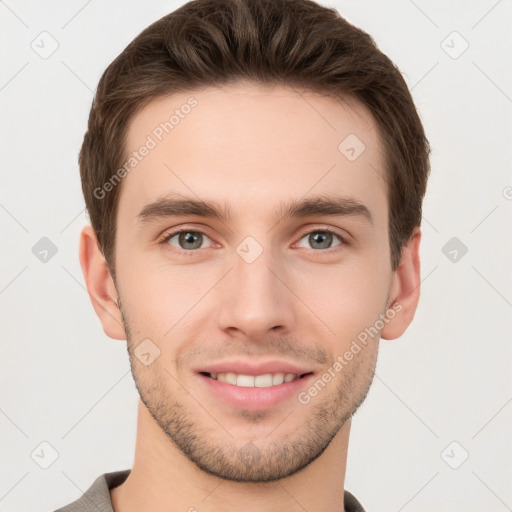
(97, 497)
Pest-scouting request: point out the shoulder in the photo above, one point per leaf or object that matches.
(97, 497)
(352, 504)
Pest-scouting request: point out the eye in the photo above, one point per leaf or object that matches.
(186, 239)
(321, 239)
(189, 240)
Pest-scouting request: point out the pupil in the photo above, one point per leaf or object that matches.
(188, 237)
(322, 238)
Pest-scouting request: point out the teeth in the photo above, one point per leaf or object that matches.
(246, 381)
(278, 378)
(263, 381)
(230, 378)
(258, 381)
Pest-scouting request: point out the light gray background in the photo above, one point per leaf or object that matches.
(64, 382)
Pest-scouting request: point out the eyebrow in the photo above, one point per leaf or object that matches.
(175, 205)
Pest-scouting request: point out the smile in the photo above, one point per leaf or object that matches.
(259, 381)
(254, 392)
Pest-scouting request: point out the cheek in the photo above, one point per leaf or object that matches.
(155, 296)
(347, 299)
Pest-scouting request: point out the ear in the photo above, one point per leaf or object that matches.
(100, 285)
(405, 289)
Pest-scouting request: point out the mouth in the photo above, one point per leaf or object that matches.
(265, 380)
(260, 391)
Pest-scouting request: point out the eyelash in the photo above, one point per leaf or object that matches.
(192, 252)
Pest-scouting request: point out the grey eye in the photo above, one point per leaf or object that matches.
(188, 240)
(321, 239)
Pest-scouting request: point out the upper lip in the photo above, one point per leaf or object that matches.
(252, 368)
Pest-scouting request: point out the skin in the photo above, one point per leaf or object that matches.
(299, 301)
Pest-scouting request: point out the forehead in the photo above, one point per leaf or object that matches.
(250, 146)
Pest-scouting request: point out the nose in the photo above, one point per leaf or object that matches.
(254, 299)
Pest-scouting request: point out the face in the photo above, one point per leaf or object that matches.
(283, 267)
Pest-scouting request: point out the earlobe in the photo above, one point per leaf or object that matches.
(405, 290)
(100, 284)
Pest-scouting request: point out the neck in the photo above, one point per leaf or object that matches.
(164, 479)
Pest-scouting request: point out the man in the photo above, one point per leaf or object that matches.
(254, 172)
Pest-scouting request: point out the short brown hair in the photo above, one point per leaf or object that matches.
(284, 42)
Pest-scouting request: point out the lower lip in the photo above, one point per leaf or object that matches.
(255, 398)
